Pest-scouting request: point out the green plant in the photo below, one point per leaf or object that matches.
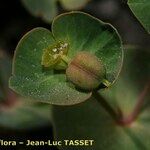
(116, 113)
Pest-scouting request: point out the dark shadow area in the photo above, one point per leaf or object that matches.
(37, 134)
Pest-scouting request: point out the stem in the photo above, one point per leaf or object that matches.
(65, 59)
(129, 119)
(106, 82)
(118, 116)
(105, 105)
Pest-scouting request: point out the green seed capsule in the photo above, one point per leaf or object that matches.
(86, 71)
(52, 54)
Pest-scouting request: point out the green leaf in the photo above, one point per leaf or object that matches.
(141, 10)
(30, 79)
(90, 121)
(25, 115)
(46, 9)
(73, 4)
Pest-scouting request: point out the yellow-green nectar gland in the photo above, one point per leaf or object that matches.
(53, 54)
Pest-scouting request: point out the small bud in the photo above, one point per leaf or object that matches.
(86, 71)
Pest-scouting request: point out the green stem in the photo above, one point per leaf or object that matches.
(65, 59)
(106, 105)
(118, 116)
(106, 82)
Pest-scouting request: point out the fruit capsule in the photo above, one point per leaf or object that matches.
(86, 71)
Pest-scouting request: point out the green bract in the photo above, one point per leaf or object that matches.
(141, 10)
(47, 9)
(81, 32)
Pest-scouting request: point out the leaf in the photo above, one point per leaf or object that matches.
(25, 115)
(73, 4)
(31, 80)
(46, 9)
(141, 10)
(90, 121)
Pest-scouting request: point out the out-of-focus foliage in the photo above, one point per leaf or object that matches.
(17, 112)
(89, 120)
(5, 71)
(73, 4)
(47, 9)
(141, 9)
